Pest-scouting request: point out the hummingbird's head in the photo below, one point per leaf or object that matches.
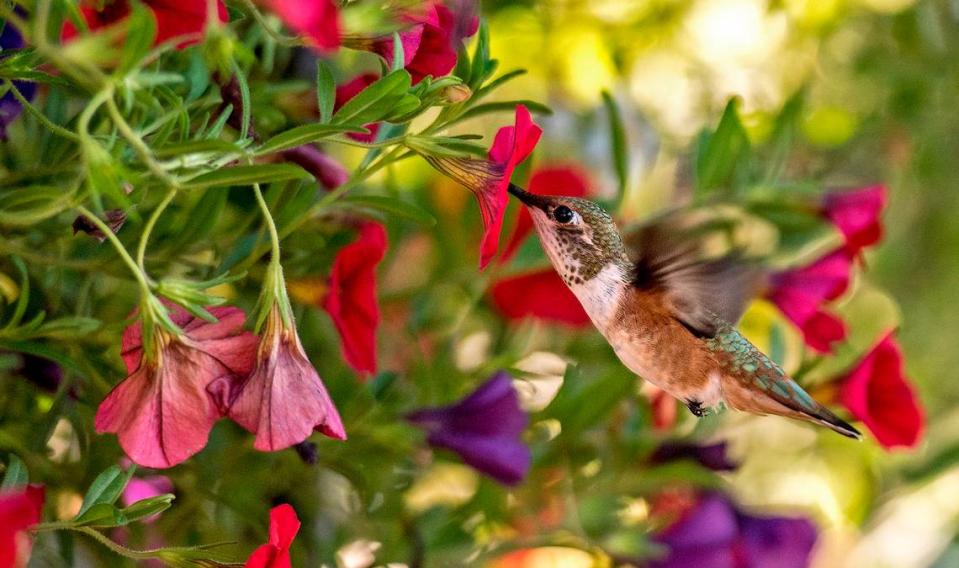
(579, 237)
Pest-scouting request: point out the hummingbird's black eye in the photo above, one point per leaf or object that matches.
(563, 214)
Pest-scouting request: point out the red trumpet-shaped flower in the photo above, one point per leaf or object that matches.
(877, 392)
(284, 525)
(20, 509)
(283, 400)
(162, 413)
(174, 18)
(800, 293)
(351, 298)
(856, 214)
(489, 179)
(431, 40)
(318, 20)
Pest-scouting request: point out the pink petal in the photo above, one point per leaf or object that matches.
(284, 524)
(318, 20)
(182, 17)
(857, 214)
(20, 509)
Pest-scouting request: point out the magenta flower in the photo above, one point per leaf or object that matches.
(10, 107)
(162, 413)
(283, 400)
(318, 20)
(20, 509)
(284, 524)
(800, 293)
(488, 179)
(715, 534)
(877, 392)
(485, 429)
(712, 456)
(856, 214)
(328, 172)
(351, 298)
(174, 18)
(430, 42)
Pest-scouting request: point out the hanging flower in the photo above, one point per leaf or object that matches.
(10, 107)
(488, 179)
(283, 400)
(161, 412)
(351, 297)
(430, 41)
(350, 89)
(484, 429)
(174, 18)
(800, 293)
(541, 294)
(318, 20)
(20, 509)
(284, 525)
(711, 456)
(877, 392)
(715, 534)
(857, 215)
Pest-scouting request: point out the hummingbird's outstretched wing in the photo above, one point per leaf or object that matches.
(701, 292)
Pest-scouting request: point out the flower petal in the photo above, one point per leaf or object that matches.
(318, 20)
(856, 214)
(20, 509)
(542, 295)
(284, 524)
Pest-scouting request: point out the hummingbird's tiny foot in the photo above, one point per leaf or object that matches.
(697, 408)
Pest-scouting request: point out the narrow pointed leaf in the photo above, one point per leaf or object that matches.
(248, 175)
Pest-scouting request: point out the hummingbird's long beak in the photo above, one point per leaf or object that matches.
(528, 199)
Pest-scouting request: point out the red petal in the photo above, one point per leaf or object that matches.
(435, 55)
(19, 510)
(318, 20)
(182, 17)
(877, 392)
(857, 214)
(266, 556)
(822, 330)
(284, 524)
(351, 301)
(542, 295)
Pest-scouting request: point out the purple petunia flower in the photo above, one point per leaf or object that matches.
(714, 534)
(10, 107)
(484, 429)
(712, 456)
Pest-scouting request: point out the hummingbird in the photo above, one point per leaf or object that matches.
(668, 313)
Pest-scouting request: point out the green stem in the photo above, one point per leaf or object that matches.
(59, 130)
(139, 146)
(134, 268)
(151, 222)
(115, 547)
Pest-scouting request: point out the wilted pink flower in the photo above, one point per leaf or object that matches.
(284, 525)
(800, 293)
(283, 400)
(350, 89)
(162, 413)
(20, 509)
(488, 179)
(327, 171)
(351, 298)
(173, 17)
(856, 214)
(430, 42)
(318, 20)
(877, 392)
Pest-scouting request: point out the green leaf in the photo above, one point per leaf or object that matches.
(375, 101)
(721, 152)
(141, 31)
(618, 140)
(67, 327)
(106, 488)
(29, 205)
(399, 54)
(197, 147)
(391, 206)
(248, 175)
(16, 474)
(305, 134)
(244, 100)
(325, 91)
(100, 515)
(479, 63)
(148, 507)
(23, 298)
(579, 405)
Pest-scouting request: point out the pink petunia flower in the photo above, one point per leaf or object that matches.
(877, 392)
(800, 293)
(489, 179)
(283, 400)
(351, 297)
(318, 20)
(174, 18)
(284, 525)
(20, 509)
(856, 214)
(162, 413)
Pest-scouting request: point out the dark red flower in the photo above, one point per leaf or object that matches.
(488, 179)
(715, 534)
(284, 525)
(877, 392)
(485, 429)
(856, 214)
(541, 294)
(325, 169)
(350, 89)
(162, 413)
(351, 298)
(318, 20)
(174, 18)
(20, 509)
(430, 41)
(800, 293)
(283, 400)
(712, 456)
